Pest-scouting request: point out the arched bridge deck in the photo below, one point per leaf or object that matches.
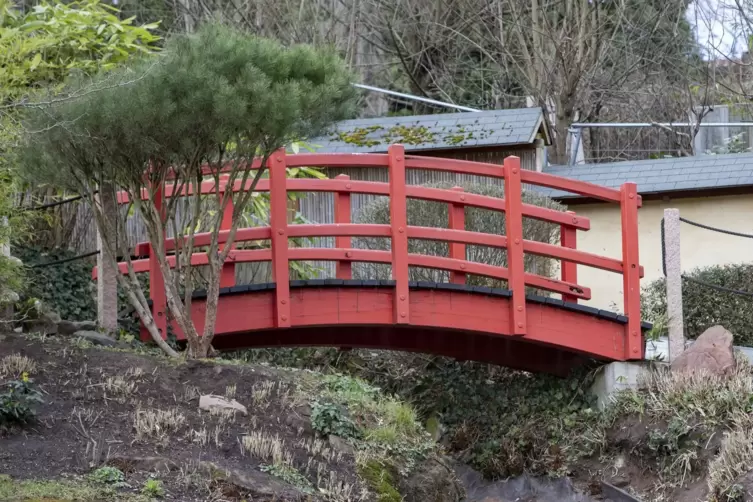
(504, 326)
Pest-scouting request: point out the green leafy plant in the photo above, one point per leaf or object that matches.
(18, 401)
(704, 306)
(108, 475)
(218, 98)
(330, 418)
(153, 488)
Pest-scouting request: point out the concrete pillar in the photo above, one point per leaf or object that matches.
(107, 279)
(674, 282)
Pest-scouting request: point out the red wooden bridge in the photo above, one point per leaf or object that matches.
(503, 326)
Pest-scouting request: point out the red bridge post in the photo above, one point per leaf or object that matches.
(631, 270)
(156, 279)
(514, 230)
(343, 268)
(456, 221)
(569, 270)
(227, 277)
(399, 231)
(278, 221)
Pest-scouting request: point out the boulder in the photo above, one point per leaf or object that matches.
(251, 482)
(45, 324)
(71, 327)
(96, 338)
(209, 402)
(712, 352)
(339, 444)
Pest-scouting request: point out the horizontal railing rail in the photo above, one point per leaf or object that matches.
(280, 254)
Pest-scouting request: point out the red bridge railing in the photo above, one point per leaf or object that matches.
(396, 163)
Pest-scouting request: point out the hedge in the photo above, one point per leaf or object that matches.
(703, 306)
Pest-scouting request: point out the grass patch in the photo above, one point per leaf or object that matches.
(157, 424)
(60, 491)
(266, 447)
(15, 365)
(380, 481)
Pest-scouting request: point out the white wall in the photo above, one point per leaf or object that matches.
(699, 247)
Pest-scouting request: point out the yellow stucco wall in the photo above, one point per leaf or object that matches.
(699, 247)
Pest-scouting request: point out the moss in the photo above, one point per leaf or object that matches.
(59, 491)
(381, 481)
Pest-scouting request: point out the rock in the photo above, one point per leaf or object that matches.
(339, 444)
(96, 338)
(302, 425)
(46, 324)
(711, 352)
(254, 483)
(71, 327)
(209, 402)
(432, 480)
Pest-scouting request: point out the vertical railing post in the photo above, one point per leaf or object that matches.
(514, 230)
(278, 222)
(456, 221)
(156, 279)
(569, 270)
(631, 270)
(227, 276)
(343, 269)
(399, 231)
(673, 271)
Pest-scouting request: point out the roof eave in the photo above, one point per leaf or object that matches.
(543, 128)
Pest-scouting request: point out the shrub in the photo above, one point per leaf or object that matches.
(435, 214)
(153, 488)
(68, 288)
(329, 418)
(17, 402)
(703, 306)
(108, 475)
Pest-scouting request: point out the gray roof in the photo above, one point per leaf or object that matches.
(663, 175)
(439, 131)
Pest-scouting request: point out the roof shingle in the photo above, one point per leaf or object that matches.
(662, 175)
(442, 131)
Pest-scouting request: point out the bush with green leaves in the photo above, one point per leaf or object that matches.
(703, 306)
(18, 401)
(217, 98)
(153, 488)
(435, 214)
(67, 288)
(330, 418)
(108, 475)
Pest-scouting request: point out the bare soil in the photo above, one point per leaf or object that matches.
(86, 422)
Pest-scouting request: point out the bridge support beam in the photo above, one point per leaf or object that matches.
(399, 230)
(156, 279)
(631, 280)
(456, 221)
(569, 270)
(343, 268)
(514, 230)
(278, 221)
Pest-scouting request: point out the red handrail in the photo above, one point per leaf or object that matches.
(398, 231)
